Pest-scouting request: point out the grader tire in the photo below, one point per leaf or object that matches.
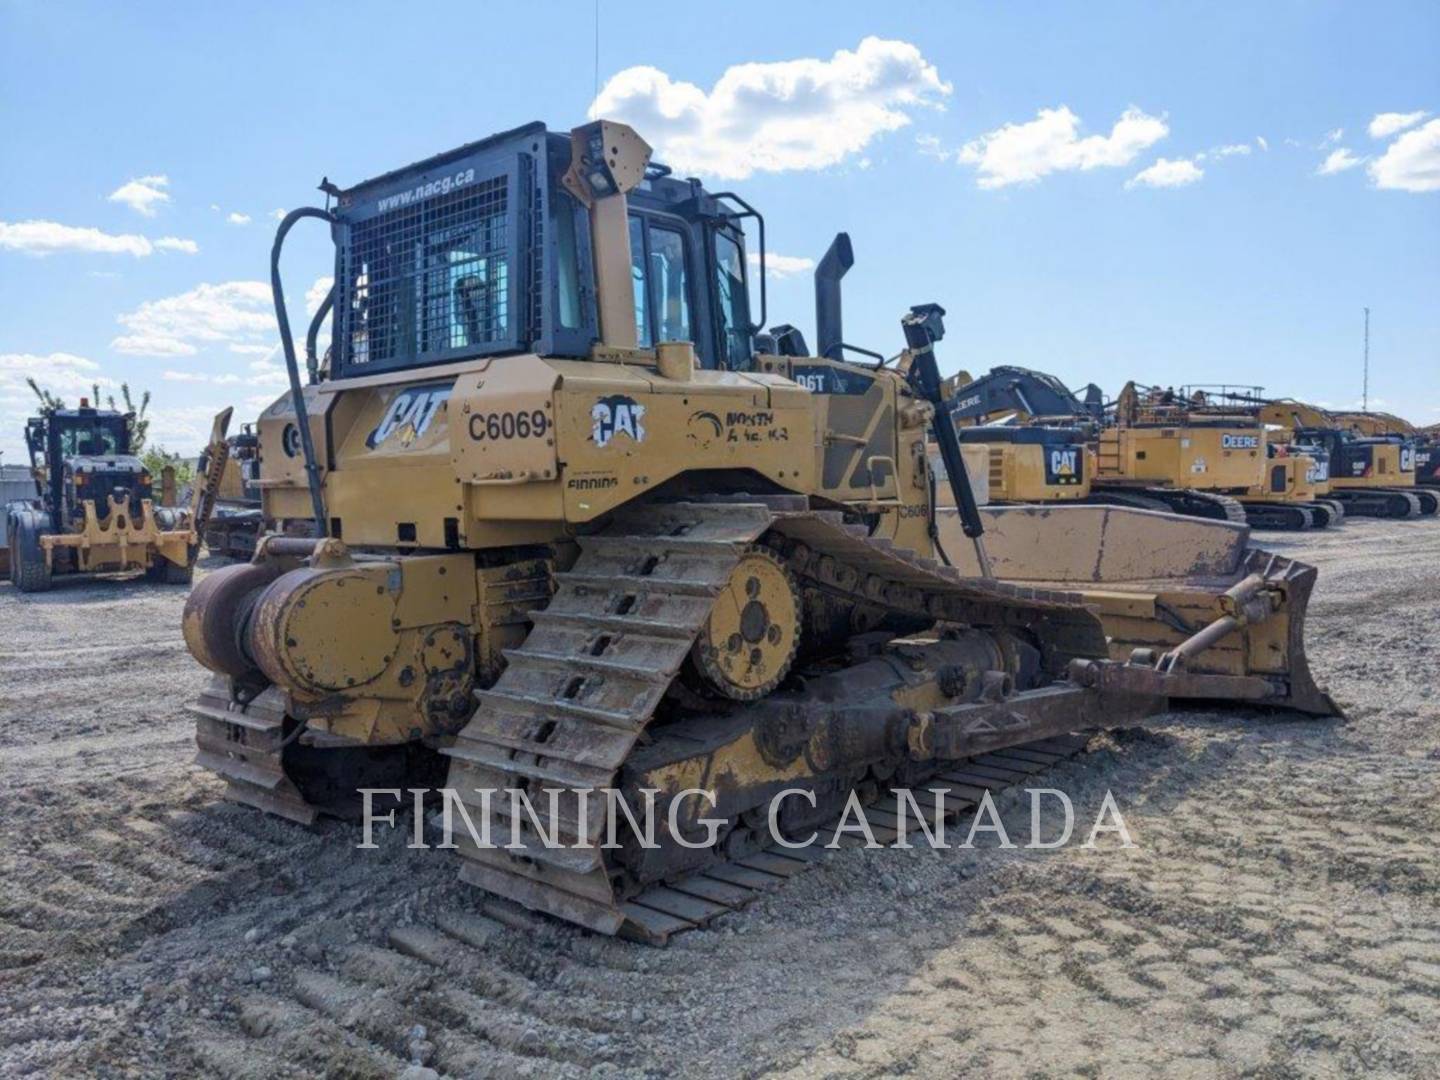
(169, 573)
(27, 563)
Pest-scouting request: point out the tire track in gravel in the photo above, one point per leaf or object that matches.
(1276, 917)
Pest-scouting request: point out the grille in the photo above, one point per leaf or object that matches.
(430, 277)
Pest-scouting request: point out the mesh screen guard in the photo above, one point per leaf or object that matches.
(439, 262)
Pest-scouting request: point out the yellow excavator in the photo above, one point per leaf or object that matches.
(1425, 441)
(580, 526)
(1211, 454)
(1150, 449)
(1372, 466)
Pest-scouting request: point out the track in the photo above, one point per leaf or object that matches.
(575, 700)
(1288, 517)
(1381, 502)
(1202, 504)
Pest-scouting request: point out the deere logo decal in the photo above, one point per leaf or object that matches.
(614, 416)
(410, 414)
(1239, 442)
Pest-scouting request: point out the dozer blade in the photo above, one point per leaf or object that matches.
(1157, 580)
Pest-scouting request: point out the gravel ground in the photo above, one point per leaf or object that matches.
(1278, 914)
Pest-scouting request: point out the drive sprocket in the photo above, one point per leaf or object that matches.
(749, 641)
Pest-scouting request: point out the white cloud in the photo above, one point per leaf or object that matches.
(1386, 124)
(1023, 153)
(142, 194)
(1231, 150)
(1166, 174)
(181, 428)
(931, 146)
(1260, 142)
(782, 266)
(32, 364)
(49, 237)
(234, 312)
(774, 117)
(65, 374)
(278, 215)
(174, 243)
(1337, 161)
(267, 373)
(315, 295)
(1332, 137)
(222, 379)
(237, 218)
(1411, 162)
(253, 350)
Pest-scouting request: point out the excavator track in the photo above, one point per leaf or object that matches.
(1332, 509)
(1291, 517)
(1201, 504)
(575, 700)
(1380, 502)
(1191, 503)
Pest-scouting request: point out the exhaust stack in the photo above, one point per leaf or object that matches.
(829, 327)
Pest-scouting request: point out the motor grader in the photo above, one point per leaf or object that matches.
(582, 526)
(94, 511)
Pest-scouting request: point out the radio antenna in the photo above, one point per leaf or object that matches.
(1365, 390)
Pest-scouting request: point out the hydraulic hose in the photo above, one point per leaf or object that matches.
(312, 361)
(292, 367)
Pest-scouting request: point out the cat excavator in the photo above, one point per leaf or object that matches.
(1150, 449)
(582, 527)
(1372, 463)
(1426, 440)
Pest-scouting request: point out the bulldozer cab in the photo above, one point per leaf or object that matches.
(488, 250)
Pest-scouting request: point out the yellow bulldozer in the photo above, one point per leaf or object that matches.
(582, 527)
(94, 510)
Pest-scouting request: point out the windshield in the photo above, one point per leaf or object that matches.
(94, 438)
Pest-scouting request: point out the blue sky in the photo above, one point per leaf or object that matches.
(1104, 192)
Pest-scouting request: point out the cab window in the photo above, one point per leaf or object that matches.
(669, 284)
(661, 283)
(733, 302)
(637, 281)
(89, 440)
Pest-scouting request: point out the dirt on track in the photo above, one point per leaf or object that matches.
(1279, 914)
